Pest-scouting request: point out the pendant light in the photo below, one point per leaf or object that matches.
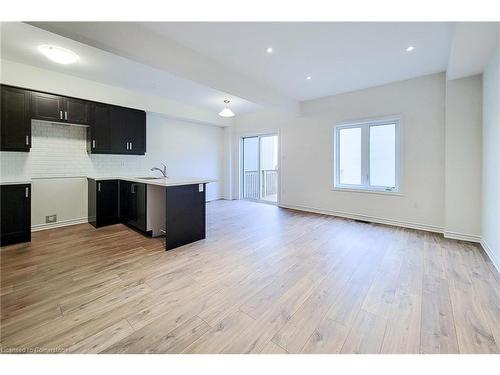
(226, 112)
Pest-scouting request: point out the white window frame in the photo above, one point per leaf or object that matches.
(365, 156)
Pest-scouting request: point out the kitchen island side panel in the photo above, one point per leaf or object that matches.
(185, 214)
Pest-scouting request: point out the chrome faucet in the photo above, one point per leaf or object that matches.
(163, 171)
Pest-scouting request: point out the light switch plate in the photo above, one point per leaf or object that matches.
(200, 188)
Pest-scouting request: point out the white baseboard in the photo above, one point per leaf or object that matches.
(372, 219)
(58, 224)
(462, 236)
(494, 259)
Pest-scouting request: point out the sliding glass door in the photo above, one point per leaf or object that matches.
(260, 168)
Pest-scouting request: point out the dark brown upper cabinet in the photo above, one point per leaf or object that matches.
(47, 107)
(112, 129)
(56, 108)
(128, 130)
(138, 132)
(15, 119)
(77, 111)
(99, 133)
(118, 117)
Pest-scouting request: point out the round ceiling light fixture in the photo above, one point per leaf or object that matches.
(58, 54)
(308, 78)
(226, 112)
(410, 48)
(269, 50)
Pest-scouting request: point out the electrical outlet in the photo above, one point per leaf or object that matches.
(51, 218)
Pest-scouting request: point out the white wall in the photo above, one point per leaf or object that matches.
(27, 76)
(257, 123)
(188, 150)
(463, 158)
(307, 161)
(491, 158)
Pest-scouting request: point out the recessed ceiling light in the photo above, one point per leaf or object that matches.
(308, 78)
(269, 50)
(410, 48)
(58, 54)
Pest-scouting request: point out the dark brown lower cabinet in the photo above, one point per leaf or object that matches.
(102, 202)
(117, 201)
(15, 214)
(113, 201)
(133, 201)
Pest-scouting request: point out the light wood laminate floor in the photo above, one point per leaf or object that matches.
(266, 280)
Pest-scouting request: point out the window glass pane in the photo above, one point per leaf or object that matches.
(251, 168)
(383, 155)
(350, 156)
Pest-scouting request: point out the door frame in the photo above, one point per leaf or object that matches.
(240, 164)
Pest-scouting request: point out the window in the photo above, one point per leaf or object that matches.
(367, 156)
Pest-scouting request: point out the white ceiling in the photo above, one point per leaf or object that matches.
(20, 42)
(203, 63)
(339, 56)
(135, 42)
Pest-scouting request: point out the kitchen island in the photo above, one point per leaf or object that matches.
(174, 207)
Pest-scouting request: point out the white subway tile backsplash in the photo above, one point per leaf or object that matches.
(61, 151)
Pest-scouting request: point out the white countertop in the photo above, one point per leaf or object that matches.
(170, 181)
(15, 182)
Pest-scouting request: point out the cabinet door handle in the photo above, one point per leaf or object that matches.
(98, 186)
(27, 140)
(93, 143)
(132, 190)
(65, 115)
(27, 192)
(60, 115)
(131, 145)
